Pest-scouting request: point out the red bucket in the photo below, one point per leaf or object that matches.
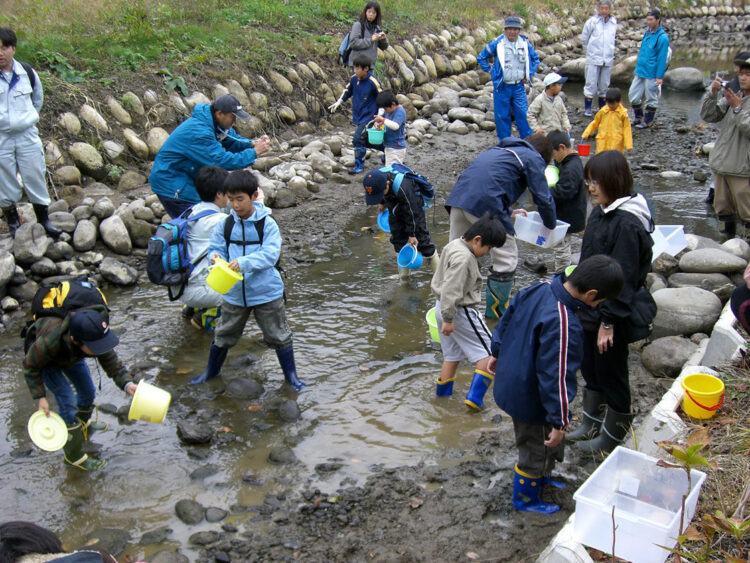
(584, 149)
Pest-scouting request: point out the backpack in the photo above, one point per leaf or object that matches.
(30, 72)
(57, 299)
(345, 49)
(423, 184)
(168, 262)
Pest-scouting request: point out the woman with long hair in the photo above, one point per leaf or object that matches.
(366, 35)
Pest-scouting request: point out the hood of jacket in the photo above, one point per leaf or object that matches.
(635, 204)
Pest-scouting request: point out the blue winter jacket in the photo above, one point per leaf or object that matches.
(195, 143)
(261, 281)
(498, 177)
(652, 57)
(496, 72)
(363, 94)
(538, 344)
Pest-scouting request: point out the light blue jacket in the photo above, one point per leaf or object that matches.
(19, 102)
(197, 142)
(652, 57)
(197, 294)
(494, 49)
(598, 40)
(261, 281)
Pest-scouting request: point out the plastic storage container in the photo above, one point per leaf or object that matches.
(647, 501)
(529, 228)
(669, 239)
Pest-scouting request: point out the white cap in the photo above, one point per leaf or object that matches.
(553, 78)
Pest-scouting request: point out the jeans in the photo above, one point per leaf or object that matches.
(361, 144)
(174, 207)
(73, 388)
(507, 98)
(641, 86)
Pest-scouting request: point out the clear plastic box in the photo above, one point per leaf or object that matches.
(647, 501)
(669, 239)
(529, 229)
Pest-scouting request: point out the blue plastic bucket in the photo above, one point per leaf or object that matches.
(375, 136)
(409, 257)
(383, 222)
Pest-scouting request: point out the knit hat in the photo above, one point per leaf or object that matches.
(91, 329)
(554, 78)
(512, 21)
(374, 183)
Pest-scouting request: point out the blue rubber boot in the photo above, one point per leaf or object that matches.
(637, 116)
(498, 293)
(444, 388)
(479, 385)
(359, 161)
(286, 361)
(648, 119)
(547, 481)
(216, 357)
(527, 492)
(587, 107)
(602, 102)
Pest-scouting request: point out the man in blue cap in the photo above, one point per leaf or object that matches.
(515, 62)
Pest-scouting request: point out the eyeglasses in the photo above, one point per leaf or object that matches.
(589, 183)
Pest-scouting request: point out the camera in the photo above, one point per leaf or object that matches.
(725, 83)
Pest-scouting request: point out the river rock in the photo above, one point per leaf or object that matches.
(53, 156)
(664, 357)
(136, 144)
(63, 221)
(458, 127)
(115, 234)
(684, 79)
(68, 175)
(168, 556)
(194, 433)
(697, 242)
(709, 282)
(24, 292)
(214, 514)
(84, 237)
(131, 180)
(7, 268)
(574, 69)
(103, 208)
(44, 267)
(707, 260)
(133, 103)
(622, 72)
(282, 455)
(244, 388)
(288, 411)
(93, 118)
(70, 122)
(204, 538)
(58, 251)
(19, 277)
(189, 511)
(155, 139)
(30, 244)
(8, 304)
(119, 112)
(738, 247)
(82, 212)
(671, 174)
(655, 282)
(286, 114)
(111, 540)
(685, 310)
(281, 83)
(117, 272)
(283, 198)
(665, 265)
(88, 159)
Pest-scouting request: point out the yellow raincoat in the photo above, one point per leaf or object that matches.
(614, 129)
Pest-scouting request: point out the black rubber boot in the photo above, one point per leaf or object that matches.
(637, 115)
(43, 219)
(709, 196)
(593, 417)
(216, 357)
(11, 217)
(614, 431)
(728, 225)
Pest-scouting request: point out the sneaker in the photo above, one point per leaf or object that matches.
(588, 113)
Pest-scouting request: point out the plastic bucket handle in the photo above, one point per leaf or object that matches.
(714, 408)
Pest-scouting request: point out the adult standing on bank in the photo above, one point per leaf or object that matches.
(366, 35)
(649, 70)
(598, 40)
(515, 62)
(207, 138)
(21, 151)
(730, 157)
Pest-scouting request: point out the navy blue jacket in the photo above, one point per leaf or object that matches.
(538, 344)
(570, 193)
(363, 94)
(498, 177)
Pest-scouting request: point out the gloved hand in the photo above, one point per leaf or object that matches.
(334, 106)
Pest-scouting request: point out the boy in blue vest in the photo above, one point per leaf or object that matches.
(261, 290)
(392, 116)
(537, 348)
(363, 89)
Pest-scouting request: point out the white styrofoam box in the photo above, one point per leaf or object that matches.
(529, 228)
(669, 239)
(647, 500)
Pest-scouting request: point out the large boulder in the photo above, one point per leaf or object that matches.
(84, 237)
(709, 282)
(622, 72)
(117, 273)
(7, 268)
(115, 234)
(685, 310)
(30, 244)
(63, 220)
(706, 260)
(574, 69)
(684, 79)
(88, 160)
(664, 357)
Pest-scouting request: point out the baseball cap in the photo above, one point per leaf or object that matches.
(512, 21)
(554, 78)
(229, 104)
(742, 59)
(374, 183)
(91, 329)
(654, 12)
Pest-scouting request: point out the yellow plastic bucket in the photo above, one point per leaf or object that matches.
(704, 395)
(150, 403)
(432, 323)
(222, 278)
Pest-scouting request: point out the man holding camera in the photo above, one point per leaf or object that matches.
(730, 157)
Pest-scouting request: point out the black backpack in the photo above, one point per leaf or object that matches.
(30, 72)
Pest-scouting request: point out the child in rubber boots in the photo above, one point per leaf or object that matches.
(261, 290)
(363, 89)
(537, 348)
(392, 115)
(405, 214)
(457, 284)
(613, 125)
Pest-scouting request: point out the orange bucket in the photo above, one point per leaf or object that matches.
(584, 149)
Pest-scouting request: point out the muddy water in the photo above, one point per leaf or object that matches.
(362, 345)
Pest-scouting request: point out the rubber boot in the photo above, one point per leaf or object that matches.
(73, 450)
(637, 116)
(594, 407)
(434, 261)
(359, 161)
(498, 293)
(188, 312)
(710, 196)
(614, 431)
(587, 107)
(728, 225)
(216, 357)
(444, 388)
(403, 274)
(286, 360)
(43, 219)
(527, 493)
(11, 217)
(647, 120)
(479, 385)
(602, 102)
(90, 426)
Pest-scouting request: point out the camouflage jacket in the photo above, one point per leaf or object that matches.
(53, 348)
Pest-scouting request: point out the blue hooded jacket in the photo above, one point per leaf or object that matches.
(261, 281)
(538, 344)
(652, 57)
(498, 177)
(192, 145)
